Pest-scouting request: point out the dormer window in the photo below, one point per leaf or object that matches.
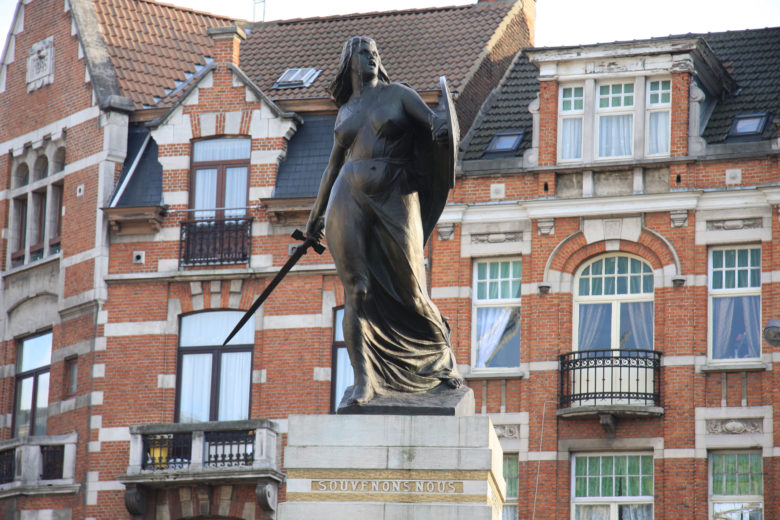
(748, 125)
(615, 120)
(571, 109)
(504, 142)
(659, 105)
(292, 78)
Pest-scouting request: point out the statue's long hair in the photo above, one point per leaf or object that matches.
(341, 87)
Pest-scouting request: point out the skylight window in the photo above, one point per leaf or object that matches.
(505, 142)
(748, 125)
(297, 78)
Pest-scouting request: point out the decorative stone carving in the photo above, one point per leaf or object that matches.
(266, 494)
(507, 431)
(735, 224)
(496, 238)
(546, 226)
(735, 426)
(446, 231)
(40, 64)
(679, 218)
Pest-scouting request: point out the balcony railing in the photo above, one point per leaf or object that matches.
(40, 464)
(215, 241)
(624, 378)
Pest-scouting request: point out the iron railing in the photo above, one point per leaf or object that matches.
(215, 241)
(52, 458)
(610, 377)
(7, 465)
(167, 451)
(229, 448)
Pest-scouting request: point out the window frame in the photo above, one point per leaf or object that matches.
(599, 112)
(614, 299)
(512, 501)
(651, 108)
(612, 501)
(570, 114)
(495, 303)
(728, 292)
(713, 499)
(221, 166)
(216, 352)
(336, 345)
(34, 373)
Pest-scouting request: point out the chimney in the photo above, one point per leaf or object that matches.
(227, 42)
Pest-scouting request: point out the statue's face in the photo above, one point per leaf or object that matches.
(365, 60)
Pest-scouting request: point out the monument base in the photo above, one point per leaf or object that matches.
(392, 467)
(441, 400)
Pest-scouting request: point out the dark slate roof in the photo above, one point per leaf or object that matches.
(307, 156)
(752, 57)
(506, 110)
(145, 185)
(416, 45)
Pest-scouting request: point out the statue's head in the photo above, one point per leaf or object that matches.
(341, 87)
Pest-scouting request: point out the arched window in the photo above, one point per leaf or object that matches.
(22, 175)
(59, 160)
(214, 381)
(613, 304)
(41, 168)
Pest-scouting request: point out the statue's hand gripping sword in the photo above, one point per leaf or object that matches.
(308, 242)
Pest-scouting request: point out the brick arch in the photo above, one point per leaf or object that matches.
(572, 251)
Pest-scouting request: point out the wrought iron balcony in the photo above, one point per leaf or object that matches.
(215, 241)
(37, 465)
(617, 382)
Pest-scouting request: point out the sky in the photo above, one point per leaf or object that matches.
(558, 22)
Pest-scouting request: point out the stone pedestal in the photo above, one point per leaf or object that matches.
(392, 467)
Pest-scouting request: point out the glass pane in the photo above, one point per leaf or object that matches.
(616, 135)
(493, 290)
(666, 97)
(717, 259)
(211, 329)
(580, 466)
(595, 326)
(571, 138)
(666, 84)
(504, 269)
(653, 99)
(493, 270)
(517, 289)
(621, 488)
(755, 257)
(616, 89)
(509, 512)
(41, 404)
(604, 90)
(505, 292)
(622, 285)
(633, 486)
(647, 283)
(24, 391)
(717, 279)
(738, 511)
(221, 149)
(635, 511)
(593, 486)
(482, 271)
(606, 465)
(235, 191)
(578, 104)
(636, 325)
(338, 326)
(35, 352)
(581, 486)
(731, 257)
(498, 337)
(205, 193)
(195, 391)
(511, 476)
(622, 264)
(647, 486)
(344, 377)
(742, 258)
(633, 465)
(606, 486)
(755, 278)
(234, 382)
(609, 285)
(591, 512)
(594, 467)
(609, 265)
(517, 269)
(481, 290)
(647, 465)
(567, 92)
(578, 92)
(628, 88)
(635, 287)
(736, 327)
(596, 286)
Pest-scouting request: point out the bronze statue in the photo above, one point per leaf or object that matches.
(378, 203)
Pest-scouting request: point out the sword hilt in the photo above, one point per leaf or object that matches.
(308, 241)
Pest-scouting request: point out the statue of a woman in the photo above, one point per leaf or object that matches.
(369, 207)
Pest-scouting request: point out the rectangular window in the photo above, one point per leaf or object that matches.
(496, 314)
(220, 170)
(736, 486)
(612, 487)
(735, 303)
(214, 381)
(511, 477)
(38, 225)
(32, 385)
(659, 103)
(615, 111)
(20, 238)
(70, 380)
(571, 112)
(342, 376)
(55, 218)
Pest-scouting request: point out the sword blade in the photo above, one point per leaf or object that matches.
(299, 252)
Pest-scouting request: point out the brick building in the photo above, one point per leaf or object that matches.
(606, 259)
(153, 162)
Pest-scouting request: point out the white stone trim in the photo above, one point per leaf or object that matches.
(450, 292)
(98, 370)
(176, 198)
(94, 484)
(259, 376)
(135, 328)
(166, 380)
(118, 434)
(710, 441)
(56, 127)
(321, 374)
(292, 321)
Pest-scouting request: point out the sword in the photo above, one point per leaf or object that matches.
(297, 254)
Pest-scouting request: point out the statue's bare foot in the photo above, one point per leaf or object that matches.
(361, 394)
(454, 382)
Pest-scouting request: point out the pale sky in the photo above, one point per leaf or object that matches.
(559, 22)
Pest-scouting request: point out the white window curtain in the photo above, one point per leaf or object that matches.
(635, 512)
(211, 328)
(195, 397)
(221, 150)
(205, 193)
(736, 326)
(594, 326)
(509, 512)
(615, 135)
(24, 391)
(497, 328)
(658, 135)
(571, 138)
(235, 191)
(234, 381)
(594, 512)
(636, 325)
(41, 404)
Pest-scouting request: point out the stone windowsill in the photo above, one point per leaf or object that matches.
(619, 410)
(476, 374)
(735, 366)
